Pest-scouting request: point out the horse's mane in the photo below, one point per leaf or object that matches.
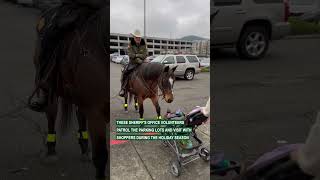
(150, 71)
(98, 24)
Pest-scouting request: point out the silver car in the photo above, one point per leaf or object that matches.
(188, 65)
(300, 7)
(249, 25)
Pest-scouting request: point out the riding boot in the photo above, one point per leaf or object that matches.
(40, 102)
(123, 87)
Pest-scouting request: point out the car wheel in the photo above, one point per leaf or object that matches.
(189, 74)
(253, 43)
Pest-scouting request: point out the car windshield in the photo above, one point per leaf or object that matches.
(158, 58)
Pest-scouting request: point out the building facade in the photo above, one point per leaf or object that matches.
(201, 47)
(156, 46)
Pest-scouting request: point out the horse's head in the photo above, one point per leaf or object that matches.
(166, 84)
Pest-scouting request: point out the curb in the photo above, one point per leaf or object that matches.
(311, 36)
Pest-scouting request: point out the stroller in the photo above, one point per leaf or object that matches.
(274, 165)
(193, 119)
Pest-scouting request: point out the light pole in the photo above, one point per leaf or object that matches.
(144, 26)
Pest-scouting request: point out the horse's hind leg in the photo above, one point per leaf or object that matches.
(125, 105)
(157, 106)
(136, 105)
(51, 114)
(97, 129)
(83, 136)
(141, 110)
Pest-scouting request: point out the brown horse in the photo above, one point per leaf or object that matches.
(81, 78)
(145, 81)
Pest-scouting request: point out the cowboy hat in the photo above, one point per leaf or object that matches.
(136, 33)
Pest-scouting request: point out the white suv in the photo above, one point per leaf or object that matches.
(249, 25)
(188, 65)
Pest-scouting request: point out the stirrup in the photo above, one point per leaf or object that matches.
(37, 106)
(40, 104)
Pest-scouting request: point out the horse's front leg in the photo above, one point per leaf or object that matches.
(51, 114)
(157, 106)
(136, 104)
(125, 105)
(141, 110)
(83, 136)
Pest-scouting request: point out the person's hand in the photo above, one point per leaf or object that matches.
(204, 111)
(139, 56)
(139, 61)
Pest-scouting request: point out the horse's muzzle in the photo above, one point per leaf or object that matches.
(168, 98)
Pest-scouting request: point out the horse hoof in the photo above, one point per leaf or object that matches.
(85, 157)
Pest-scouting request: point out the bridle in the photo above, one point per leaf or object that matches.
(160, 81)
(160, 86)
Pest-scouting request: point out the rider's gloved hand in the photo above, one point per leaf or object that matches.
(139, 61)
(139, 56)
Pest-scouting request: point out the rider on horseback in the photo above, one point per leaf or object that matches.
(52, 26)
(137, 51)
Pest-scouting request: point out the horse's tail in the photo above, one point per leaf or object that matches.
(66, 115)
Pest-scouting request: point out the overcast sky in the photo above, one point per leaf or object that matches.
(165, 18)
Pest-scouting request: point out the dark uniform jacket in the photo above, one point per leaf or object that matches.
(137, 53)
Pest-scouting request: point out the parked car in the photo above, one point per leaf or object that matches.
(204, 62)
(117, 59)
(301, 7)
(113, 55)
(313, 16)
(188, 65)
(125, 60)
(114, 59)
(249, 25)
(149, 58)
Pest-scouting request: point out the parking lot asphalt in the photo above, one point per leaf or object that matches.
(259, 105)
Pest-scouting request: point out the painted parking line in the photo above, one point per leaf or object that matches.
(117, 142)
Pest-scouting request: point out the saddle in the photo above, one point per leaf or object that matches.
(52, 26)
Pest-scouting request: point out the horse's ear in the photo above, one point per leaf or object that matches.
(166, 69)
(174, 68)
